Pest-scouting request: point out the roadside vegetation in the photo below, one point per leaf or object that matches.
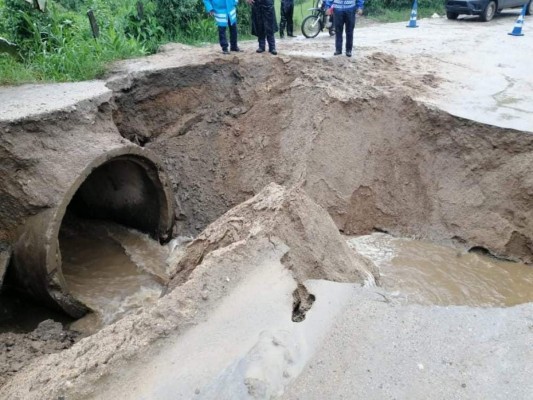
(58, 44)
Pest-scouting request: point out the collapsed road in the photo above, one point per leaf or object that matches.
(179, 143)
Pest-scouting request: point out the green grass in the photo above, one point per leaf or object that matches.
(14, 73)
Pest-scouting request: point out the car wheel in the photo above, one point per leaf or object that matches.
(451, 15)
(528, 9)
(489, 11)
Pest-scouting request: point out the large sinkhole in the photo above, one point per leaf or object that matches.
(370, 155)
(361, 147)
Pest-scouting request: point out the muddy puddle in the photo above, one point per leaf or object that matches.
(426, 273)
(113, 270)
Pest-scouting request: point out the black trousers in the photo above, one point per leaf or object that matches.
(265, 23)
(286, 20)
(232, 36)
(342, 19)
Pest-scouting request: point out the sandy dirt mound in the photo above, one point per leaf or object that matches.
(317, 250)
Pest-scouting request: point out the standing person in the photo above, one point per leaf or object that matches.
(264, 24)
(344, 12)
(225, 13)
(286, 10)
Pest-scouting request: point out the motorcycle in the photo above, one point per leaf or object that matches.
(315, 23)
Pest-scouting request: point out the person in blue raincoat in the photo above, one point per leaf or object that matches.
(225, 13)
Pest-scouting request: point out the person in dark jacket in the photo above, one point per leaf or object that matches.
(264, 24)
(286, 10)
(344, 12)
(225, 13)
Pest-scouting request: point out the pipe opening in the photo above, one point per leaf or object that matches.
(122, 191)
(109, 240)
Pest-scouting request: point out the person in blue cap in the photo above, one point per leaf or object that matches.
(225, 13)
(344, 12)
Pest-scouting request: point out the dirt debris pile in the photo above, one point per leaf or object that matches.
(316, 249)
(16, 350)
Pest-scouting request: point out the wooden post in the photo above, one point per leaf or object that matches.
(140, 10)
(94, 24)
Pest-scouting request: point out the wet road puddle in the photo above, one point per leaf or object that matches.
(426, 273)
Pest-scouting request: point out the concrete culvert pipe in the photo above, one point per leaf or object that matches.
(123, 185)
(72, 162)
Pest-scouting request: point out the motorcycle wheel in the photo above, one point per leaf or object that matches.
(311, 26)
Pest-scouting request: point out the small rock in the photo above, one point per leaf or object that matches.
(49, 330)
(235, 111)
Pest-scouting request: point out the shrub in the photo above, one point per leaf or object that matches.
(175, 15)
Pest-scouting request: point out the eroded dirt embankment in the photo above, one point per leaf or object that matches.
(354, 139)
(349, 136)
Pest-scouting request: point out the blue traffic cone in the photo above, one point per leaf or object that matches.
(517, 30)
(414, 12)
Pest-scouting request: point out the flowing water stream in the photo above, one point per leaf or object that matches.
(113, 270)
(426, 273)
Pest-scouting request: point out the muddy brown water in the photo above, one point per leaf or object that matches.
(112, 269)
(115, 271)
(426, 273)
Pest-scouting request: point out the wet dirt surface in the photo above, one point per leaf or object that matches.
(20, 314)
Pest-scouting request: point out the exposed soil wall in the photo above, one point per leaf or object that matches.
(354, 139)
